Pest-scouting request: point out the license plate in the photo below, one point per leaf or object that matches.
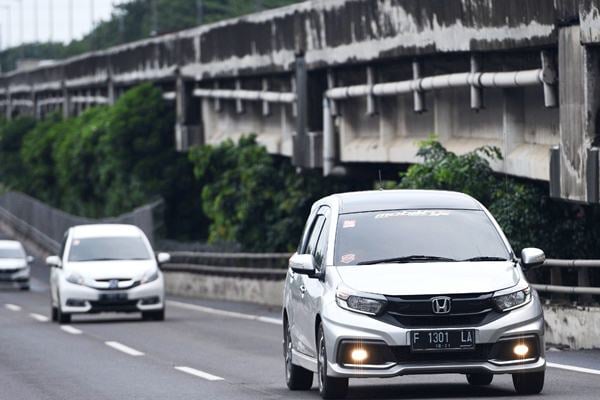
(113, 297)
(463, 339)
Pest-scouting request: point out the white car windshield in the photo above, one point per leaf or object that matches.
(108, 248)
(12, 253)
(417, 236)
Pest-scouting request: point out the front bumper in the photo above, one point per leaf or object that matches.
(341, 326)
(78, 299)
(20, 275)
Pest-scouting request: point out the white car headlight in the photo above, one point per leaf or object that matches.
(362, 303)
(150, 276)
(516, 299)
(75, 278)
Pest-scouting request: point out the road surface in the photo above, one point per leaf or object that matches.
(204, 350)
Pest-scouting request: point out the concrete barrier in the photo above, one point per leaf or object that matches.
(575, 327)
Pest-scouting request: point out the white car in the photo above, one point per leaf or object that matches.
(14, 263)
(106, 268)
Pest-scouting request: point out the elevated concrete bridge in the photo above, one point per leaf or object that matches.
(332, 83)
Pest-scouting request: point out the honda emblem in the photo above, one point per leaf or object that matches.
(441, 305)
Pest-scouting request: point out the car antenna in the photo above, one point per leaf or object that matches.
(380, 181)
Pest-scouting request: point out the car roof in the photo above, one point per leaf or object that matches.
(381, 200)
(104, 230)
(10, 244)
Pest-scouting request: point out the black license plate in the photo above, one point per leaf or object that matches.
(113, 297)
(463, 339)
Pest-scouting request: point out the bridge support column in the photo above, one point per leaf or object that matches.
(513, 120)
(301, 144)
(9, 108)
(188, 129)
(66, 106)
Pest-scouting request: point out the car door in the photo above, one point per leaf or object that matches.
(55, 272)
(312, 288)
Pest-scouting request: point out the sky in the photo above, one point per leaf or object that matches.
(52, 19)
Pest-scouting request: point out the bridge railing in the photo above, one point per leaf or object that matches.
(583, 277)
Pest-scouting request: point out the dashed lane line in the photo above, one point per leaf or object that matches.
(574, 368)
(71, 330)
(225, 313)
(12, 307)
(124, 349)
(199, 374)
(39, 317)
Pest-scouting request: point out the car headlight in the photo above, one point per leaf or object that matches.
(150, 276)
(510, 301)
(75, 278)
(362, 303)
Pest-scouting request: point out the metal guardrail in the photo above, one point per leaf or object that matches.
(583, 277)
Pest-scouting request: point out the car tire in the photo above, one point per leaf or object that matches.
(24, 287)
(61, 317)
(529, 383)
(296, 378)
(329, 387)
(153, 315)
(480, 379)
(54, 314)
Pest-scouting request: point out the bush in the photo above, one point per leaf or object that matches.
(11, 140)
(523, 209)
(255, 199)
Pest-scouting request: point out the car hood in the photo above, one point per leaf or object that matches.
(127, 269)
(11, 263)
(430, 278)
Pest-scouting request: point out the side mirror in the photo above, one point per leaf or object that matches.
(163, 258)
(54, 261)
(532, 257)
(30, 259)
(303, 264)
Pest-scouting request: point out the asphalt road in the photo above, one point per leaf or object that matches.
(204, 350)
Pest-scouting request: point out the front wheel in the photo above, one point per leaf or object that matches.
(481, 379)
(529, 382)
(154, 315)
(296, 378)
(329, 387)
(62, 318)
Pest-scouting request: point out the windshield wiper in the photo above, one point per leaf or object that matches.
(406, 259)
(486, 258)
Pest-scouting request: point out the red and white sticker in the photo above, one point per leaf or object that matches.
(348, 258)
(349, 223)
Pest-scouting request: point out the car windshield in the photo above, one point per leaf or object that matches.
(108, 248)
(12, 253)
(417, 236)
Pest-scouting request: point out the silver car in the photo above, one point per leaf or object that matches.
(14, 264)
(389, 283)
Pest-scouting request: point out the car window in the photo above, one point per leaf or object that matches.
(450, 234)
(12, 253)
(321, 246)
(314, 235)
(305, 234)
(108, 248)
(63, 245)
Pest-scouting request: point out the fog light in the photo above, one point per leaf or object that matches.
(521, 350)
(359, 355)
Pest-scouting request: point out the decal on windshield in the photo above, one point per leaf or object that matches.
(349, 223)
(348, 258)
(413, 213)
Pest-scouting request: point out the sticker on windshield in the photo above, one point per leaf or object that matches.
(76, 242)
(349, 223)
(348, 258)
(413, 213)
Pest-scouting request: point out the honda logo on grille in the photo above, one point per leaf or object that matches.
(441, 305)
(113, 284)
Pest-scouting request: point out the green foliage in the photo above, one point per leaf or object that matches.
(524, 211)
(255, 199)
(133, 21)
(11, 139)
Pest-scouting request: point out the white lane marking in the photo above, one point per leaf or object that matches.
(199, 374)
(39, 317)
(232, 314)
(71, 330)
(124, 349)
(13, 307)
(573, 368)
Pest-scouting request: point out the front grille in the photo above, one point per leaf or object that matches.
(114, 306)
(403, 354)
(416, 311)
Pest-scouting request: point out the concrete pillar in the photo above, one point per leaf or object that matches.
(442, 114)
(66, 107)
(9, 108)
(513, 120)
(300, 138)
(187, 116)
(110, 92)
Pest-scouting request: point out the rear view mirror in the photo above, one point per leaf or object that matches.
(54, 261)
(303, 264)
(30, 259)
(532, 257)
(163, 258)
